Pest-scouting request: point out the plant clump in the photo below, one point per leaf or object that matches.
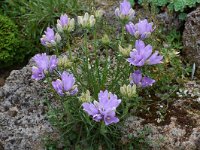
(102, 77)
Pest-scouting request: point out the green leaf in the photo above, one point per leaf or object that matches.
(191, 3)
(132, 2)
(179, 5)
(161, 2)
(182, 16)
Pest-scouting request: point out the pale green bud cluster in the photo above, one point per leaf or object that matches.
(128, 91)
(85, 97)
(99, 13)
(105, 39)
(125, 51)
(86, 21)
(64, 62)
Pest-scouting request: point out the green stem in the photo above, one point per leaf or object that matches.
(96, 60)
(103, 128)
(122, 35)
(69, 46)
(86, 62)
(57, 51)
(125, 108)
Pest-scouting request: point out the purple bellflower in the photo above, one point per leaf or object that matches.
(136, 78)
(65, 23)
(44, 64)
(50, 39)
(65, 85)
(141, 30)
(143, 55)
(63, 20)
(104, 109)
(125, 11)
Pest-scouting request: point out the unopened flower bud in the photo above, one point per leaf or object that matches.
(92, 21)
(85, 97)
(59, 28)
(99, 13)
(85, 18)
(105, 39)
(64, 62)
(137, 34)
(128, 91)
(80, 20)
(86, 21)
(71, 25)
(147, 34)
(58, 38)
(125, 51)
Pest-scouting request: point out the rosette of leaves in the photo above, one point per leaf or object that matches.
(172, 5)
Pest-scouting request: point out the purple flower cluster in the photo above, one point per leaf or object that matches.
(125, 11)
(65, 23)
(50, 39)
(105, 109)
(44, 64)
(143, 55)
(65, 85)
(137, 79)
(141, 30)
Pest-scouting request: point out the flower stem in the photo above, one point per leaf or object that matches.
(122, 35)
(69, 46)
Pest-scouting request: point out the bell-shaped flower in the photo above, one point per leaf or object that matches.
(142, 55)
(137, 79)
(37, 73)
(125, 11)
(50, 39)
(141, 30)
(86, 21)
(44, 64)
(65, 23)
(104, 109)
(66, 85)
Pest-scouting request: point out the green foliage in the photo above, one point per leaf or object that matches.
(140, 141)
(32, 17)
(35, 15)
(10, 50)
(174, 5)
(132, 2)
(44, 13)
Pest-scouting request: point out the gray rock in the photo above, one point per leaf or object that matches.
(169, 21)
(22, 118)
(182, 132)
(167, 137)
(191, 37)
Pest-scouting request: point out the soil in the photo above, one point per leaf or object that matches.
(180, 112)
(3, 75)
